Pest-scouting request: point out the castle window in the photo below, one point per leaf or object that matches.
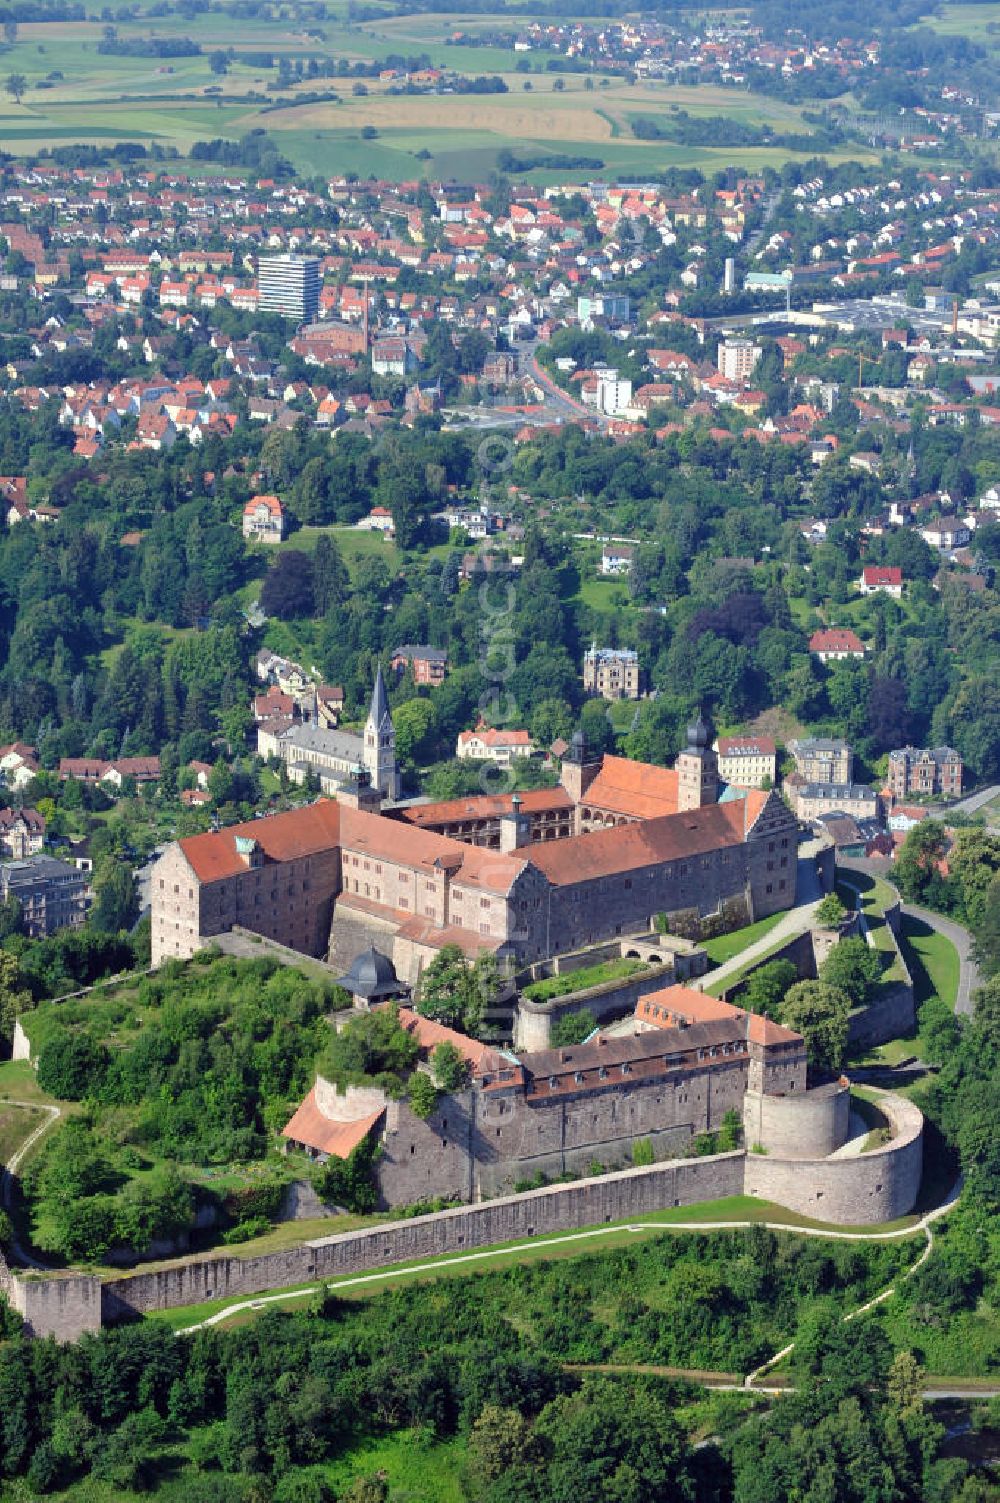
(768, 888)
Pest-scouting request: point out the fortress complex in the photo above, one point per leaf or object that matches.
(672, 1070)
(617, 844)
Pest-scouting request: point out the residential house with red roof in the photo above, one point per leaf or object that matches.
(887, 578)
(833, 644)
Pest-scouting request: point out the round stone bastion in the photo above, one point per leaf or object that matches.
(852, 1190)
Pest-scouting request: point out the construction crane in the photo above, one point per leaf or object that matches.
(864, 360)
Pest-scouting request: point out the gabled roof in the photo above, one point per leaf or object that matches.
(633, 788)
(282, 837)
(485, 806)
(625, 848)
(428, 1033)
(836, 639)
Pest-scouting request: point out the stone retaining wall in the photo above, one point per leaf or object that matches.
(537, 1213)
(533, 1020)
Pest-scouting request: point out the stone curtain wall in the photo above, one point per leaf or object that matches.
(872, 1187)
(538, 1213)
(889, 1016)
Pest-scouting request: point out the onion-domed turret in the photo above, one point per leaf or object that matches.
(699, 733)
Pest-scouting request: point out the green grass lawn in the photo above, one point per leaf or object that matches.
(18, 1082)
(876, 897)
(725, 946)
(568, 1244)
(577, 981)
(16, 1124)
(932, 960)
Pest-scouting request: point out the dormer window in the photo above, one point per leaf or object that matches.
(249, 851)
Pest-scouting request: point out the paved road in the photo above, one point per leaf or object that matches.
(795, 921)
(975, 801)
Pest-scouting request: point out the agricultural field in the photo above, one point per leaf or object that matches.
(76, 94)
(980, 23)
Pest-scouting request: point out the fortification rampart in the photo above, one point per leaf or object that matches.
(533, 1020)
(537, 1213)
(811, 1125)
(868, 1187)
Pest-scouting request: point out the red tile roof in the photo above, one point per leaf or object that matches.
(282, 837)
(697, 1007)
(428, 1034)
(624, 848)
(882, 574)
(836, 639)
(485, 806)
(633, 788)
(761, 746)
(310, 1127)
(400, 843)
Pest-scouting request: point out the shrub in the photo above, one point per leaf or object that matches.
(831, 912)
(572, 1028)
(71, 1066)
(245, 1231)
(423, 1095)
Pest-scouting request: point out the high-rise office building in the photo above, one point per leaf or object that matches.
(289, 285)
